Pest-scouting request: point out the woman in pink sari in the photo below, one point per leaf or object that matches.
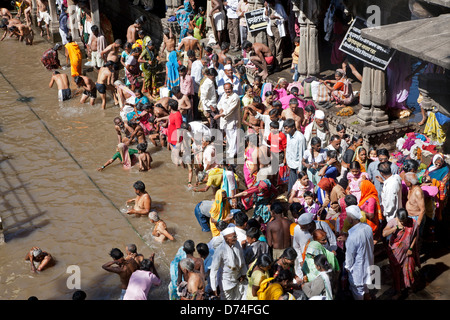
(251, 161)
(403, 253)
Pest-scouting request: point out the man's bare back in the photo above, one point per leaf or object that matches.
(296, 115)
(189, 43)
(279, 233)
(61, 80)
(104, 76)
(132, 33)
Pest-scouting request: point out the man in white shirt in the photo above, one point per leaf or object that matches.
(197, 76)
(229, 108)
(229, 257)
(208, 97)
(392, 191)
(318, 128)
(229, 77)
(372, 171)
(359, 254)
(233, 24)
(335, 144)
(295, 148)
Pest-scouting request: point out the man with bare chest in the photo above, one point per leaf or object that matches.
(184, 104)
(105, 80)
(62, 82)
(169, 43)
(137, 133)
(132, 31)
(142, 202)
(261, 56)
(122, 267)
(43, 17)
(293, 112)
(190, 43)
(278, 230)
(95, 47)
(23, 32)
(89, 88)
(112, 53)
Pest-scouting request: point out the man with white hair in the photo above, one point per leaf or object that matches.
(229, 257)
(318, 128)
(43, 258)
(229, 77)
(359, 253)
(416, 200)
(193, 288)
(160, 232)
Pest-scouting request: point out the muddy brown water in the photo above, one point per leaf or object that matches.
(53, 197)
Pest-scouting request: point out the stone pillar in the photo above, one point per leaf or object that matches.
(73, 22)
(365, 114)
(34, 13)
(95, 12)
(307, 11)
(54, 24)
(373, 98)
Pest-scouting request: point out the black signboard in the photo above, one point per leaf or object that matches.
(255, 20)
(363, 49)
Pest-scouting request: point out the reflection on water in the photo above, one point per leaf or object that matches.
(55, 198)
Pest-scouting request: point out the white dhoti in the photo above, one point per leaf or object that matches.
(236, 293)
(44, 16)
(232, 139)
(219, 21)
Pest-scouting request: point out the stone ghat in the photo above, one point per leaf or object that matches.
(379, 137)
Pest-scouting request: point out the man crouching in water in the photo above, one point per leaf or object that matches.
(45, 259)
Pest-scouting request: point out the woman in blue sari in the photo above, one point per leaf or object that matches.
(182, 15)
(180, 255)
(172, 75)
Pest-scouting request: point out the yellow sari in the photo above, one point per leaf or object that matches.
(75, 58)
(219, 211)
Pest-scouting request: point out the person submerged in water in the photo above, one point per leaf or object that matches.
(144, 157)
(142, 202)
(160, 232)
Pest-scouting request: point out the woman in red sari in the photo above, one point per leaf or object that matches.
(403, 253)
(370, 204)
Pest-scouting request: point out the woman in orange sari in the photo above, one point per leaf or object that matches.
(73, 54)
(370, 204)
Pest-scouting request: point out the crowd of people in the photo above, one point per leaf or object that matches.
(297, 208)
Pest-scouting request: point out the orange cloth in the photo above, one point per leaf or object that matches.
(368, 191)
(75, 58)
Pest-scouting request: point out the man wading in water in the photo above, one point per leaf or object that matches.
(142, 203)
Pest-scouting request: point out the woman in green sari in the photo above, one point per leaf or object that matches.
(149, 63)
